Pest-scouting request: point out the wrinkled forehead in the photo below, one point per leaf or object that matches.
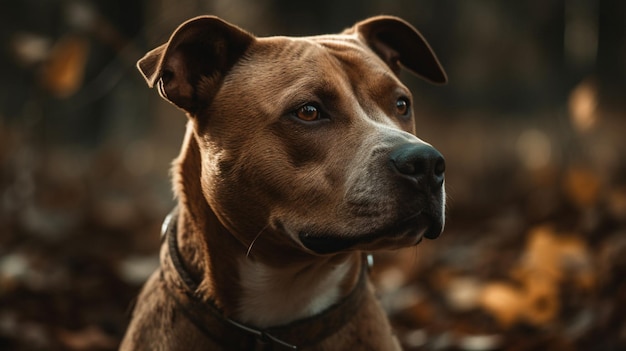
(284, 66)
(353, 54)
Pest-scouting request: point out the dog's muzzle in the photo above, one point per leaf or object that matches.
(423, 168)
(418, 170)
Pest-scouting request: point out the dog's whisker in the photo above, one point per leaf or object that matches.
(254, 240)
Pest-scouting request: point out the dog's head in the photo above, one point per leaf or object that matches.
(310, 139)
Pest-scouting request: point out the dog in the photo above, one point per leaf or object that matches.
(299, 156)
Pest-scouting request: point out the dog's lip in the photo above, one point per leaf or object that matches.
(417, 226)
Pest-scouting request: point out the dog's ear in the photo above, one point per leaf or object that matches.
(397, 42)
(189, 68)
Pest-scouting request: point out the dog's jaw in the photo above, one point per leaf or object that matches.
(273, 296)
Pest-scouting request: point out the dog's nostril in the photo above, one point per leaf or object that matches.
(408, 168)
(440, 166)
(419, 162)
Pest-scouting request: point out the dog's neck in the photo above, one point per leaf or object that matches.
(275, 296)
(260, 294)
(243, 285)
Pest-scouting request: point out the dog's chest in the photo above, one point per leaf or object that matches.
(272, 296)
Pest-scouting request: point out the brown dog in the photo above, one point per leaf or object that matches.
(299, 155)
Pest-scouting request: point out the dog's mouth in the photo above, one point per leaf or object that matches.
(407, 232)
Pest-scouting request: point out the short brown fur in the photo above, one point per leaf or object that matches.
(253, 182)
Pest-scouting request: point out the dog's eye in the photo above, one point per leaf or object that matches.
(402, 106)
(308, 113)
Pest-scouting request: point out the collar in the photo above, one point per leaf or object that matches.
(210, 320)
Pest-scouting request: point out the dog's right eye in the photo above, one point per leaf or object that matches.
(402, 106)
(308, 113)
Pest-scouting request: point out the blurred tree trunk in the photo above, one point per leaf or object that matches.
(611, 61)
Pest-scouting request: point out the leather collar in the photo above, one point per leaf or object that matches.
(233, 335)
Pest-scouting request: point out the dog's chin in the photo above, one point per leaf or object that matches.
(398, 235)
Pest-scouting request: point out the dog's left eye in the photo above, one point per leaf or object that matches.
(402, 106)
(308, 113)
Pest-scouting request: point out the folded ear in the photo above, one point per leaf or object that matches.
(189, 68)
(397, 42)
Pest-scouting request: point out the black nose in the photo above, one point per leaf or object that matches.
(419, 163)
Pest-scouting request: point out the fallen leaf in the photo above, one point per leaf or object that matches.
(504, 301)
(582, 186)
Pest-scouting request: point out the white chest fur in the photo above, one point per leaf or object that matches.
(273, 296)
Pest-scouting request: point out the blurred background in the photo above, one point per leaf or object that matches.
(532, 124)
